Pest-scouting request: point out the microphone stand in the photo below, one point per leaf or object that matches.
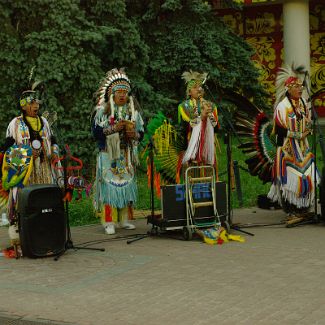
(314, 125)
(152, 192)
(69, 243)
(152, 218)
(322, 146)
(230, 128)
(66, 155)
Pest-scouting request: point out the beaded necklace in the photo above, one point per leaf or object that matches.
(300, 113)
(34, 132)
(196, 104)
(297, 108)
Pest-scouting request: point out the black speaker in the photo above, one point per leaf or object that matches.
(42, 220)
(173, 203)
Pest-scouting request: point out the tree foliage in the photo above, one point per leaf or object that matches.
(73, 43)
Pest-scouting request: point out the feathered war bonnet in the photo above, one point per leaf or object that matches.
(115, 79)
(192, 79)
(287, 77)
(34, 91)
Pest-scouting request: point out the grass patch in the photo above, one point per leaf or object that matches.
(251, 186)
(82, 212)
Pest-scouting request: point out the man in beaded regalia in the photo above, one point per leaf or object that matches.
(118, 128)
(27, 153)
(201, 119)
(294, 171)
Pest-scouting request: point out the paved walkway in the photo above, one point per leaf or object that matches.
(276, 277)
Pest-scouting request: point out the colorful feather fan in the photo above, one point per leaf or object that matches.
(254, 128)
(167, 145)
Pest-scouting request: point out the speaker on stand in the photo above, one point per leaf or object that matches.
(42, 220)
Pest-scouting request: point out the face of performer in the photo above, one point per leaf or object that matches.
(120, 97)
(295, 91)
(31, 109)
(196, 92)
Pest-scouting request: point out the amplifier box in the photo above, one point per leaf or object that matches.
(173, 203)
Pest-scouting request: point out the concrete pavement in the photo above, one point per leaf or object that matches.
(276, 277)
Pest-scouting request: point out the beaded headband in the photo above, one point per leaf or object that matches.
(29, 96)
(292, 81)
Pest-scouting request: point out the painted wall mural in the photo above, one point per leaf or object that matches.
(317, 55)
(262, 28)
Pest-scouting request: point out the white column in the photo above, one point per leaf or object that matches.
(296, 41)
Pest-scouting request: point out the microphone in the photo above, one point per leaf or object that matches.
(201, 89)
(205, 79)
(304, 83)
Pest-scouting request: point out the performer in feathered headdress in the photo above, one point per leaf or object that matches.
(201, 117)
(28, 149)
(294, 167)
(117, 127)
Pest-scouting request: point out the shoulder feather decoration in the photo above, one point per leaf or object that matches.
(254, 127)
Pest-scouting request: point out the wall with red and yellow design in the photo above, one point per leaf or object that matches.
(262, 27)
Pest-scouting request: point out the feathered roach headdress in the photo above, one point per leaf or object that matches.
(287, 77)
(193, 78)
(34, 93)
